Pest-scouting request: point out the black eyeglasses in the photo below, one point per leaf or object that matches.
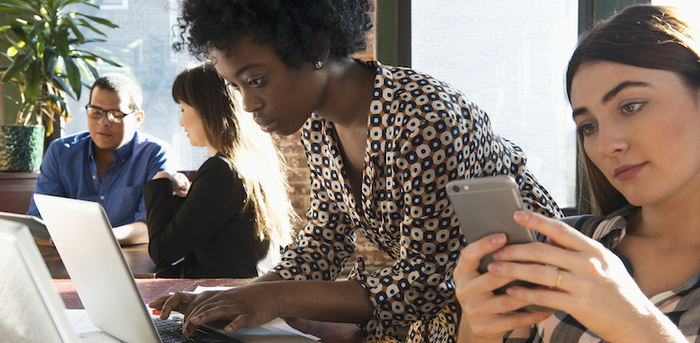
(115, 116)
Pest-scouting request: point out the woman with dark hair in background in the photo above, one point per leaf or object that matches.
(236, 215)
(381, 144)
(630, 274)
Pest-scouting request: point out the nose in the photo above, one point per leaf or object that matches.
(180, 122)
(611, 140)
(104, 121)
(249, 102)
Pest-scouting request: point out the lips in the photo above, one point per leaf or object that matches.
(628, 171)
(267, 125)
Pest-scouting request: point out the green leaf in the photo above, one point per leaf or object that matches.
(86, 24)
(33, 82)
(18, 65)
(70, 2)
(12, 51)
(86, 64)
(99, 20)
(50, 60)
(19, 31)
(60, 84)
(61, 42)
(36, 30)
(70, 23)
(89, 55)
(73, 76)
(14, 8)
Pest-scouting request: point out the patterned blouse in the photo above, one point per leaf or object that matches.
(681, 305)
(421, 134)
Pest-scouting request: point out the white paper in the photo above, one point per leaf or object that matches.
(85, 330)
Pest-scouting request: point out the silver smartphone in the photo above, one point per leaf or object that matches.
(485, 206)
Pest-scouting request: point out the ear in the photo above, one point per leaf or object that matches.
(324, 57)
(138, 118)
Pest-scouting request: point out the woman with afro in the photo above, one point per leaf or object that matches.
(381, 144)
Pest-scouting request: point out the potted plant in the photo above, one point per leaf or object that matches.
(43, 58)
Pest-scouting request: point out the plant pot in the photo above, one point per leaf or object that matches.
(21, 148)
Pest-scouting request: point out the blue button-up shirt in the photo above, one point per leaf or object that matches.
(69, 169)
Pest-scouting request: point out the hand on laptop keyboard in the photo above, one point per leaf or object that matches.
(170, 330)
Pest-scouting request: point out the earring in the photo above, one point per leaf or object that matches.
(318, 64)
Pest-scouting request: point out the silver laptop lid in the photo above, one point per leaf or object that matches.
(94, 261)
(36, 225)
(30, 308)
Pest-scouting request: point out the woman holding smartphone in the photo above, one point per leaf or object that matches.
(236, 216)
(632, 273)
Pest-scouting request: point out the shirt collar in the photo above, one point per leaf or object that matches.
(611, 230)
(122, 153)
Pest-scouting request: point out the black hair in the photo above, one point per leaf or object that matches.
(116, 82)
(234, 134)
(301, 30)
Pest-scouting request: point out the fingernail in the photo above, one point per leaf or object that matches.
(494, 267)
(497, 254)
(498, 239)
(196, 320)
(228, 329)
(521, 215)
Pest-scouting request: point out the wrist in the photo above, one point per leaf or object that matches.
(283, 295)
(652, 326)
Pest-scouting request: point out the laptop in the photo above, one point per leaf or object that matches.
(36, 225)
(30, 308)
(94, 261)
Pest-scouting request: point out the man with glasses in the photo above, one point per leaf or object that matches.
(110, 162)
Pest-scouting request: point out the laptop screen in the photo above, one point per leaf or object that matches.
(30, 308)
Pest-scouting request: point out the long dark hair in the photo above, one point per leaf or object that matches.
(645, 36)
(233, 133)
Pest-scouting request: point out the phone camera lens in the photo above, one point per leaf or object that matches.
(455, 189)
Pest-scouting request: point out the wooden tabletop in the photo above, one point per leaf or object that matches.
(155, 288)
(136, 256)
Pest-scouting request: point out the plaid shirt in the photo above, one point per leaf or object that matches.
(681, 305)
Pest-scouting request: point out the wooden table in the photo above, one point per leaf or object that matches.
(136, 257)
(155, 288)
(16, 190)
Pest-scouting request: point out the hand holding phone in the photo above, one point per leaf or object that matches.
(485, 206)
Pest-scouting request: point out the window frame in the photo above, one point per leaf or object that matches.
(394, 47)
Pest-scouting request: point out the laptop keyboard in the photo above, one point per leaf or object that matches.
(170, 331)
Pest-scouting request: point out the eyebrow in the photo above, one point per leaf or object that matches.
(249, 66)
(611, 94)
(627, 84)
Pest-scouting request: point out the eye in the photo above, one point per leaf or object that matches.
(255, 83)
(631, 107)
(231, 84)
(587, 128)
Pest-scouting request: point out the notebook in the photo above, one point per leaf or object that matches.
(94, 261)
(30, 308)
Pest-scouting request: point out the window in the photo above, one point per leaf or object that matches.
(509, 57)
(111, 4)
(691, 6)
(142, 43)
